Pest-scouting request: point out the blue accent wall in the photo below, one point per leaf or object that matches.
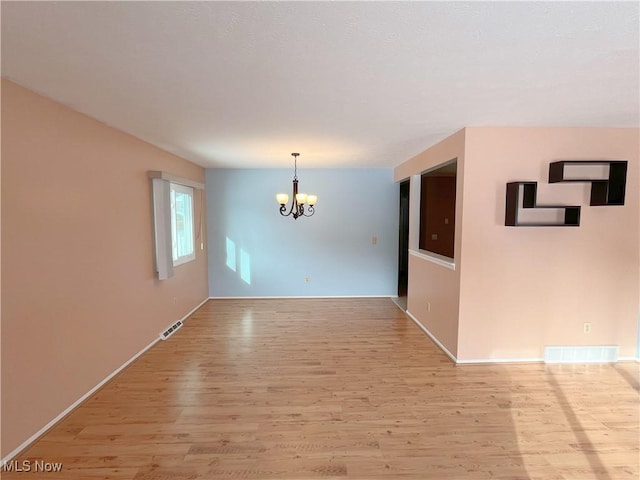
(255, 252)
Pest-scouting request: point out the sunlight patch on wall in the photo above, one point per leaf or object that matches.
(245, 267)
(231, 254)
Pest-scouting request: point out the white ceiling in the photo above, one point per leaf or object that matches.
(243, 84)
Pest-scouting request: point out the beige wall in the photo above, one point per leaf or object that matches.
(430, 284)
(517, 289)
(1, 426)
(79, 293)
(524, 288)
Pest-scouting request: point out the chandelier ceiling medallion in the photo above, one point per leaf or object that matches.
(299, 199)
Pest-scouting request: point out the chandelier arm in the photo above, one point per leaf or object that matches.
(311, 211)
(294, 203)
(292, 211)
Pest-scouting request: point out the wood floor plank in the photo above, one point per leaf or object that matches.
(341, 389)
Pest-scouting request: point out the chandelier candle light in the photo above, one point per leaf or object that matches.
(299, 199)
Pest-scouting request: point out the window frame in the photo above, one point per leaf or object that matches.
(423, 206)
(415, 210)
(183, 189)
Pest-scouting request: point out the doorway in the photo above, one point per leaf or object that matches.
(403, 244)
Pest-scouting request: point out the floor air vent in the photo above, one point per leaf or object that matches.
(171, 330)
(582, 354)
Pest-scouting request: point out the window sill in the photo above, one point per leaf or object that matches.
(183, 260)
(434, 258)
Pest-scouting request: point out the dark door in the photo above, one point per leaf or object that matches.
(403, 244)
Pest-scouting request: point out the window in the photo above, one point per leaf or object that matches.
(173, 221)
(182, 244)
(438, 210)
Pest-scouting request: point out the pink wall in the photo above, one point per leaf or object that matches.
(1, 356)
(79, 293)
(524, 288)
(517, 289)
(430, 283)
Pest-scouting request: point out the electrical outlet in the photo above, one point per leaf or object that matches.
(307, 279)
(374, 240)
(175, 300)
(428, 306)
(586, 327)
(434, 236)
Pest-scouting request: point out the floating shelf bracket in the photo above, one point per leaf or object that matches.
(609, 189)
(608, 180)
(522, 195)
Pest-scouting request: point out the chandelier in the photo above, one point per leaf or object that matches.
(299, 199)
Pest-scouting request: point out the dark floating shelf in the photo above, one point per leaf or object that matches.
(571, 213)
(603, 192)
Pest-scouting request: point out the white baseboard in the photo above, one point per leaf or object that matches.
(300, 297)
(501, 360)
(470, 361)
(194, 309)
(432, 337)
(395, 301)
(75, 404)
(629, 359)
(78, 402)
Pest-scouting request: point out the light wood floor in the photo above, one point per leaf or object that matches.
(306, 389)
